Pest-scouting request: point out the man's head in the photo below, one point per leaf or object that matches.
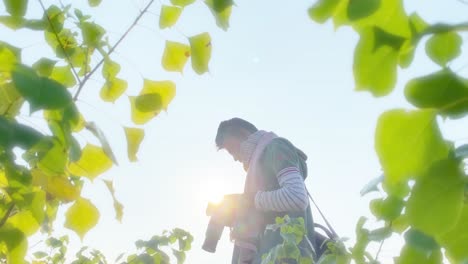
(231, 134)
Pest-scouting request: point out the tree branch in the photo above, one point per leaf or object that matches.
(7, 214)
(68, 59)
(135, 22)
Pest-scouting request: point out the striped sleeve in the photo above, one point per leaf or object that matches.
(291, 196)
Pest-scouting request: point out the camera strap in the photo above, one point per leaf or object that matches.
(333, 233)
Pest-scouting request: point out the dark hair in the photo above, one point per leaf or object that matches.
(232, 127)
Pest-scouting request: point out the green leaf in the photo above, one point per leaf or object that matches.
(10, 100)
(411, 255)
(25, 222)
(81, 217)
(380, 234)
(53, 161)
(9, 56)
(134, 137)
(444, 47)
(180, 256)
(443, 90)
(56, 186)
(358, 9)
(372, 185)
(93, 162)
(222, 17)
(16, 243)
(63, 75)
(175, 56)
(200, 46)
(375, 63)
(387, 209)
(94, 3)
(169, 16)
(323, 10)
(455, 240)
(41, 92)
(113, 89)
(118, 207)
(421, 241)
(407, 142)
(97, 132)
(155, 95)
(92, 34)
(55, 18)
(182, 3)
(436, 201)
(16, 7)
(44, 67)
(110, 69)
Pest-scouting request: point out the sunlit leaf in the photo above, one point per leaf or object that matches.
(182, 3)
(322, 10)
(175, 56)
(411, 255)
(9, 56)
(94, 3)
(97, 132)
(25, 222)
(358, 9)
(407, 142)
(455, 240)
(113, 89)
(387, 209)
(421, 241)
(16, 243)
(57, 186)
(10, 100)
(169, 16)
(64, 76)
(154, 95)
(16, 7)
(44, 67)
(93, 162)
(444, 47)
(134, 138)
(92, 33)
(118, 207)
(41, 92)
(222, 17)
(81, 217)
(54, 160)
(110, 69)
(443, 90)
(436, 201)
(200, 46)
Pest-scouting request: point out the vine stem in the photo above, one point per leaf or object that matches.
(7, 214)
(135, 22)
(60, 43)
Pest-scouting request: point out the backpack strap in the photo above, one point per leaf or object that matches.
(332, 234)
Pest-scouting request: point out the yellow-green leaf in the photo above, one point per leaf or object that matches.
(94, 3)
(15, 242)
(221, 16)
(134, 138)
(9, 57)
(16, 7)
(118, 207)
(456, 239)
(25, 222)
(169, 16)
(93, 162)
(113, 89)
(182, 3)
(155, 97)
(44, 67)
(175, 56)
(110, 69)
(81, 217)
(64, 76)
(57, 186)
(444, 47)
(200, 46)
(10, 100)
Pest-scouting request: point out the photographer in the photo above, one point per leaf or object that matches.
(274, 187)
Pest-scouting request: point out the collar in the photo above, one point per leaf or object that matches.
(248, 147)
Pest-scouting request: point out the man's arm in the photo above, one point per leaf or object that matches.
(292, 194)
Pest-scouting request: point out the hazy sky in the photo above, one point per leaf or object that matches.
(275, 68)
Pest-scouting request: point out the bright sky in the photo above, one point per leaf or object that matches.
(275, 68)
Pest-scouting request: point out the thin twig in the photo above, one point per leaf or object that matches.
(380, 248)
(60, 43)
(7, 214)
(135, 22)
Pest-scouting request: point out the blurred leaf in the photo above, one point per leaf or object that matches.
(64, 76)
(410, 255)
(94, 3)
(25, 222)
(10, 100)
(180, 256)
(81, 217)
(97, 132)
(15, 242)
(200, 46)
(175, 56)
(462, 151)
(443, 90)
(9, 57)
(358, 9)
(407, 142)
(222, 17)
(134, 137)
(44, 67)
(93, 162)
(455, 240)
(92, 34)
(155, 95)
(118, 207)
(54, 160)
(110, 69)
(436, 200)
(387, 209)
(380, 234)
(444, 47)
(372, 185)
(322, 10)
(41, 92)
(58, 186)
(182, 3)
(169, 16)
(55, 18)
(16, 7)
(113, 89)
(420, 241)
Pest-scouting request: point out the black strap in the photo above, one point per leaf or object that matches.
(335, 235)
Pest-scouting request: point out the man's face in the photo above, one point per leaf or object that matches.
(232, 145)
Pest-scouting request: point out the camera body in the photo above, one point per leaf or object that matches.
(222, 215)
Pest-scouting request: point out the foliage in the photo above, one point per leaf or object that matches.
(424, 181)
(39, 172)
